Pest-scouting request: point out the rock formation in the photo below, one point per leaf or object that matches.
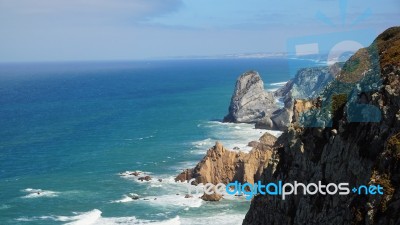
(211, 198)
(250, 102)
(307, 84)
(359, 153)
(145, 178)
(221, 165)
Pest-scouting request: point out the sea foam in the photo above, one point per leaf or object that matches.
(233, 136)
(38, 193)
(94, 217)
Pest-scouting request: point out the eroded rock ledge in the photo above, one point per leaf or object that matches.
(221, 165)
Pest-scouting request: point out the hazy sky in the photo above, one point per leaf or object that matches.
(53, 30)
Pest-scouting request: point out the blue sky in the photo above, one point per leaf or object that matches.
(60, 30)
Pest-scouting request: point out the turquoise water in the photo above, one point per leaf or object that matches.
(69, 129)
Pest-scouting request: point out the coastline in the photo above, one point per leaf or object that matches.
(113, 146)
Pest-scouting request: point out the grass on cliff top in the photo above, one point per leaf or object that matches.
(389, 47)
(384, 51)
(353, 70)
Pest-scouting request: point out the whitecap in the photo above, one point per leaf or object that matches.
(278, 83)
(125, 199)
(174, 200)
(220, 219)
(134, 221)
(202, 143)
(272, 89)
(94, 217)
(87, 218)
(146, 137)
(38, 193)
(233, 136)
(130, 174)
(4, 206)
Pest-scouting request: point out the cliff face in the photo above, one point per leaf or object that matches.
(359, 153)
(307, 84)
(250, 102)
(221, 165)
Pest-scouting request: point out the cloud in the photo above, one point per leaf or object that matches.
(134, 10)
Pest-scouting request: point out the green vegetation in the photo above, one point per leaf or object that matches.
(354, 69)
(338, 102)
(389, 43)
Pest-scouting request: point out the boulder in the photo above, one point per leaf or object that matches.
(145, 178)
(135, 173)
(253, 144)
(211, 198)
(133, 196)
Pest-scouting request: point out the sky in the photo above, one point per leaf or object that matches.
(75, 30)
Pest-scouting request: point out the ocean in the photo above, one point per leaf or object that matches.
(68, 130)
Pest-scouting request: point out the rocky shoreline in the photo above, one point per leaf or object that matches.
(251, 103)
(343, 151)
(321, 140)
(221, 165)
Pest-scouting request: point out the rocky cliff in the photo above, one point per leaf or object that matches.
(307, 84)
(250, 102)
(221, 165)
(344, 148)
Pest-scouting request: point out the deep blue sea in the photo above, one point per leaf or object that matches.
(67, 131)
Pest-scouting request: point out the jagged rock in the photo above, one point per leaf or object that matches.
(253, 144)
(278, 120)
(188, 196)
(285, 89)
(250, 102)
(357, 153)
(135, 173)
(309, 82)
(211, 198)
(221, 165)
(267, 139)
(187, 174)
(133, 196)
(145, 178)
(307, 85)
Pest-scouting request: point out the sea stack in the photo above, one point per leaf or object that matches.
(250, 102)
(221, 165)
